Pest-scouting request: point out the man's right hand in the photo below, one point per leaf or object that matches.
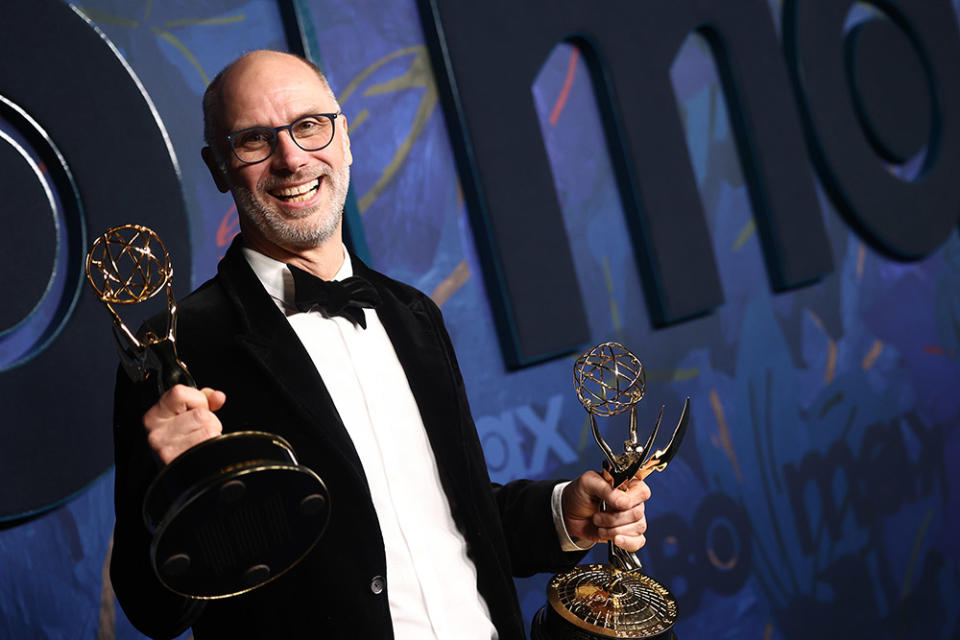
(182, 418)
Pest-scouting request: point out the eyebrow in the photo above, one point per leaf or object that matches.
(302, 114)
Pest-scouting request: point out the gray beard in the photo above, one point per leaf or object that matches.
(278, 230)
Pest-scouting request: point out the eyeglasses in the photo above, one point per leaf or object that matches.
(310, 133)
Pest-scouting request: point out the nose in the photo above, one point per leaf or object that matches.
(288, 156)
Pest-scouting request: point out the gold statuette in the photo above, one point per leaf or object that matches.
(128, 265)
(613, 600)
(234, 512)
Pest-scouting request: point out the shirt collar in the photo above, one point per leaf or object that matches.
(277, 279)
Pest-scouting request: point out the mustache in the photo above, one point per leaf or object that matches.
(303, 175)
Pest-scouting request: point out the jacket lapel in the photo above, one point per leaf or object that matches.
(420, 350)
(273, 344)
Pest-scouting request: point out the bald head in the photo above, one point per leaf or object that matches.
(290, 202)
(262, 61)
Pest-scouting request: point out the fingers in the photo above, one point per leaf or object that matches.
(178, 399)
(611, 519)
(183, 417)
(631, 523)
(579, 503)
(624, 520)
(215, 399)
(580, 499)
(630, 495)
(595, 487)
(630, 543)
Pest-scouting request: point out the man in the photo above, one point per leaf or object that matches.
(419, 544)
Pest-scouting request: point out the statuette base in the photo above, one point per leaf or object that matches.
(596, 601)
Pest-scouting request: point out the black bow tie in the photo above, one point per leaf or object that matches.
(345, 298)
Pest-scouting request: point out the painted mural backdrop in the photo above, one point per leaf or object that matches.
(817, 494)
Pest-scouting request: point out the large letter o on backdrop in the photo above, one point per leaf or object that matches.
(876, 95)
(81, 149)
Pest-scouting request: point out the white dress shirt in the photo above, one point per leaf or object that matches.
(431, 582)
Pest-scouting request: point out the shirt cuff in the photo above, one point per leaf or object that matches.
(566, 542)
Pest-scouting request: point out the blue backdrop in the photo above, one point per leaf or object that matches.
(818, 491)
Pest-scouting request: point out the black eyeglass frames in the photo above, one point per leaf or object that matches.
(310, 133)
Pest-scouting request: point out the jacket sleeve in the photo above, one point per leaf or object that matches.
(531, 536)
(151, 607)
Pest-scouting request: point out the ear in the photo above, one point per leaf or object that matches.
(216, 169)
(347, 154)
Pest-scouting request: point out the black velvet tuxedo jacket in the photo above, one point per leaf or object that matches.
(234, 338)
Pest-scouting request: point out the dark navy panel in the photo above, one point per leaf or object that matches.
(114, 166)
(27, 249)
(505, 173)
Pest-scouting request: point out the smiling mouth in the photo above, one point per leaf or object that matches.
(299, 193)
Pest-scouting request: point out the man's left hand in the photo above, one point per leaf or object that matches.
(623, 521)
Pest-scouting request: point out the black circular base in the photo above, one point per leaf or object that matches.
(233, 514)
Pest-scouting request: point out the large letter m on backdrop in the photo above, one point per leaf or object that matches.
(487, 55)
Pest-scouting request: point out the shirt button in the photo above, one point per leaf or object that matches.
(377, 585)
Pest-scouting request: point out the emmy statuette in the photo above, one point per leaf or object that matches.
(614, 600)
(231, 513)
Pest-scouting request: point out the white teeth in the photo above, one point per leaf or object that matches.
(289, 192)
(302, 198)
